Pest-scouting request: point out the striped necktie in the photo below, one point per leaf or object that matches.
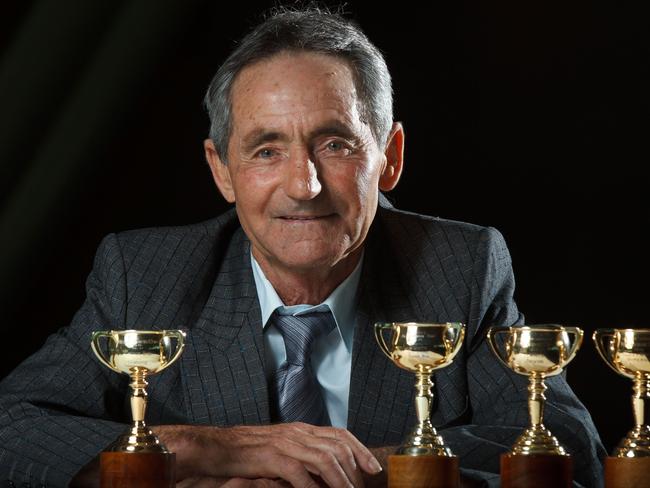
(298, 396)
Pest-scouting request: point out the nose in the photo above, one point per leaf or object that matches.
(301, 177)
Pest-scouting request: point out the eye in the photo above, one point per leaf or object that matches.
(265, 153)
(338, 147)
(334, 146)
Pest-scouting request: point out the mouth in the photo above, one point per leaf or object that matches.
(305, 218)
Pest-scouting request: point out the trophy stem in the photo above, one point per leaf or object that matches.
(536, 399)
(139, 395)
(641, 395)
(423, 396)
(424, 439)
(139, 438)
(636, 444)
(537, 439)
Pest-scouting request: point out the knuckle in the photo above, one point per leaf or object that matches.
(339, 450)
(292, 467)
(344, 452)
(341, 446)
(326, 458)
(343, 435)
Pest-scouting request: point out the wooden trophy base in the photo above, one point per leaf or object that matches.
(423, 472)
(627, 472)
(137, 470)
(536, 471)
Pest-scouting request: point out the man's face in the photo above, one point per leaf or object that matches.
(303, 169)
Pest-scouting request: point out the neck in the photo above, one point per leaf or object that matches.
(310, 286)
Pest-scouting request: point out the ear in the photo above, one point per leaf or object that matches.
(220, 171)
(394, 159)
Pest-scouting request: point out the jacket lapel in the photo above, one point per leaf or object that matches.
(380, 404)
(381, 407)
(223, 364)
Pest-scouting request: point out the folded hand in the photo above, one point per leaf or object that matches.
(290, 452)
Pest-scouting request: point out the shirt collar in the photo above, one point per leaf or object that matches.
(342, 301)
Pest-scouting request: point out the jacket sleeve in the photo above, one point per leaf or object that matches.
(54, 408)
(498, 397)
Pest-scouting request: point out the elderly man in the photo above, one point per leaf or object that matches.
(281, 381)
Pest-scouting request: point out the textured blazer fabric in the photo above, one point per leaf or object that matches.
(61, 407)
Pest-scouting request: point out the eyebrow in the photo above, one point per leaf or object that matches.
(261, 135)
(333, 128)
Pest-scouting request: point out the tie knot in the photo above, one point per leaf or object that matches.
(301, 332)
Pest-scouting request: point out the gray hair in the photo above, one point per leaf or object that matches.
(311, 30)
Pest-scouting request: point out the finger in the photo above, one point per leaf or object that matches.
(255, 454)
(285, 451)
(200, 482)
(342, 453)
(266, 483)
(186, 483)
(286, 467)
(237, 483)
(364, 458)
(256, 483)
(319, 457)
(330, 459)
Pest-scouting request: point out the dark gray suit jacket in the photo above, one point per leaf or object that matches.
(60, 407)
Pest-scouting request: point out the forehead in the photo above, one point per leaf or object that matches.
(290, 86)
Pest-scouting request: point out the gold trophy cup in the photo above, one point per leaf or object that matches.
(423, 460)
(137, 458)
(539, 351)
(627, 351)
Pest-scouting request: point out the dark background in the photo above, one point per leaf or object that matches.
(529, 117)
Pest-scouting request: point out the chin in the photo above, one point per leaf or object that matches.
(306, 263)
(308, 257)
(305, 259)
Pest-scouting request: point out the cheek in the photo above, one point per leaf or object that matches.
(363, 184)
(367, 180)
(253, 186)
(352, 178)
(357, 191)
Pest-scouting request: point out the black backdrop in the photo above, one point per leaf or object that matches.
(529, 117)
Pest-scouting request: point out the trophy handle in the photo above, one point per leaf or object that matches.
(379, 336)
(94, 343)
(491, 339)
(577, 342)
(179, 335)
(601, 338)
(459, 328)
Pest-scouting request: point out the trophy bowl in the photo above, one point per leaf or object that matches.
(138, 353)
(421, 348)
(536, 351)
(627, 351)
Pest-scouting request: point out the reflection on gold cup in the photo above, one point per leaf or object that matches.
(627, 351)
(536, 351)
(421, 349)
(138, 353)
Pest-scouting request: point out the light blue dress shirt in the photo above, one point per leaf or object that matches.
(332, 355)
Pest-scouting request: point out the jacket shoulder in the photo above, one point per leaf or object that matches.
(140, 247)
(417, 230)
(225, 223)
(162, 271)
